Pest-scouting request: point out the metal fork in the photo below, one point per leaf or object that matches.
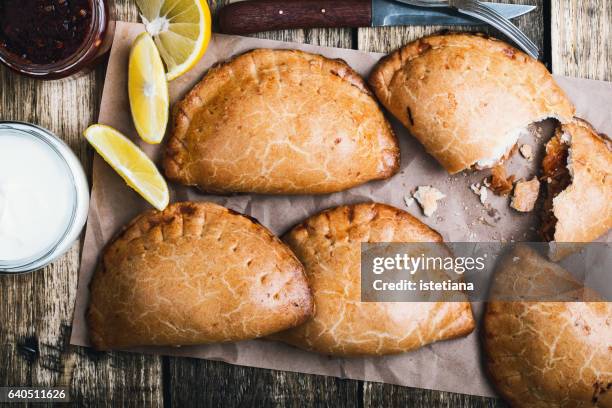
(480, 11)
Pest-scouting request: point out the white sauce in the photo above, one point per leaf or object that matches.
(36, 196)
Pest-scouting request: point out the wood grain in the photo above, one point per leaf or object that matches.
(36, 309)
(218, 384)
(386, 39)
(582, 38)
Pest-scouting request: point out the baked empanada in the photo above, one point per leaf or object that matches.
(467, 98)
(577, 172)
(547, 354)
(280, 122)
(329, 244)
(195, 273)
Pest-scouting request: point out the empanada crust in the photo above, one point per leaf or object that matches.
(548, 354)
(584, 209)
(195, 273)
(328, 244)
(280, 122)
(463, 95)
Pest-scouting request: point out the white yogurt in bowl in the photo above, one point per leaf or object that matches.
(44, 197)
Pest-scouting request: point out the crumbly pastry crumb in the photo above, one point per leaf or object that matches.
(525, 195)
(501, 184)
(408, 200)
(526, 151)
(483, 194)
(428, 197)
(481, 191)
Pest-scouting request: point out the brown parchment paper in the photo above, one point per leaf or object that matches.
(448, 366)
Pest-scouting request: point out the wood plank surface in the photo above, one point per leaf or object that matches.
(386, 39)
(582, 38)
(36, 309)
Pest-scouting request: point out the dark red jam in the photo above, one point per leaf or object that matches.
(44, 31)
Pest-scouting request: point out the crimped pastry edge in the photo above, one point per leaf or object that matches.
(424, 230)
(182, 114)
(95, 335)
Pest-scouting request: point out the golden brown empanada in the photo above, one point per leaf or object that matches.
(577, 172)
(467, 98)
(195, 273)
(547, 354)
(329, 244)
(280, 122)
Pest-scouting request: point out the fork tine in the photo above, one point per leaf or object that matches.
(478, 10)
(514, 29)
(506, 23)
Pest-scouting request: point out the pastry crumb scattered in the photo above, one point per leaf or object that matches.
(501, 184)
(483, 194)
(408, 200)
(475, 188)
(525, 195)
(428, 198)
(526, 151)
(480, 191)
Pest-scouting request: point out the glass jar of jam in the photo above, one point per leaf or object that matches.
(51, 39)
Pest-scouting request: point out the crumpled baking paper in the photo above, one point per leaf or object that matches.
(453, 365)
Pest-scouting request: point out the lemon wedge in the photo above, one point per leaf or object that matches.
(132, 164)
(181, 30)
(148, 90)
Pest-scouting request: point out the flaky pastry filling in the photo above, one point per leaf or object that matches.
(501, 153)
(500, 182)
(556, 174)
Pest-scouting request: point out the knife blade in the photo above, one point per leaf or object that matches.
(395, 12)
(246, 17)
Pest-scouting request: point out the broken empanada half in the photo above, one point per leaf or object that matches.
(280, 122)
(329, 246)
(547, 354)
(195, 273)
(467, 98)
(577, 173)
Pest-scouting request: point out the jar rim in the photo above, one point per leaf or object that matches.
(99, 17)
(55, 145)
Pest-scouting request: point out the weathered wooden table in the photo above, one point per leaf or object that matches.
(36, 309)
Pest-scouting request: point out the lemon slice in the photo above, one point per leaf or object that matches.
(148, 90)
(181, 30)
(132, 164)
